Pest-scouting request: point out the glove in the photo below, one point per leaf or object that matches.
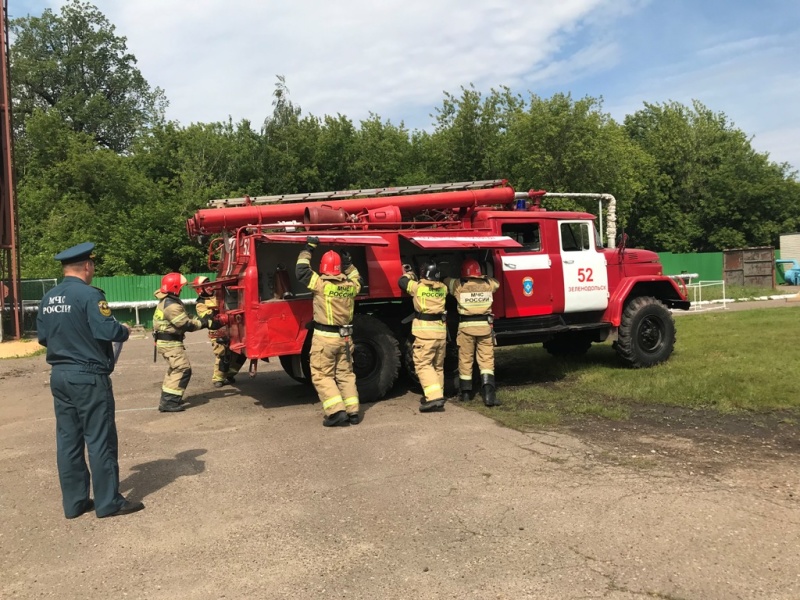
(312, 242)
(214, 324)
(205, 322)
(409, 273)
(347, 260)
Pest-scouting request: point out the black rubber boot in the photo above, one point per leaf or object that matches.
(426, 406)
(354, 418)
(337, 418)
(170, 403)
(465, 386)
(489, 397)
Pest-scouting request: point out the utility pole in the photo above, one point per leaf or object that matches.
(10, 293)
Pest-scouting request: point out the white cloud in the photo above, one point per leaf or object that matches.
(215, 59)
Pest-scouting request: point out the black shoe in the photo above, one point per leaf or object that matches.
(127, 508)
(465, 397)
(337, 418)
(219, 384)
(87, 506)
(354, 418)
(171, 408)
(432, 405)
(230, 380)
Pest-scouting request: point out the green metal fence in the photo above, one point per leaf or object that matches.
(708, 265)
(133, 288)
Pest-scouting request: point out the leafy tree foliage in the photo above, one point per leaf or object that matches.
(74, 63)
(710, 189)
(96, 160)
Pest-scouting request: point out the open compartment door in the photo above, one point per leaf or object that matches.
(461, 242)
(328, 239)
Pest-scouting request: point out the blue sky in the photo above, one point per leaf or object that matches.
(216, 59)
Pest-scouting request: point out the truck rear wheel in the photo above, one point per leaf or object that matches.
(646, 334)
(296, 367)
(376, 360)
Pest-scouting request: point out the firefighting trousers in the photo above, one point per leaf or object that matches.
(235, 361)
(474, 347)
(179, 370)
(332, 374)
(429, 366)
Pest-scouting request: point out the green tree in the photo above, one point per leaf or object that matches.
(291, 143)
(75, 192)
(565, 145)
(74, 62)
(710, 189)
(384, 155)
(469, 131)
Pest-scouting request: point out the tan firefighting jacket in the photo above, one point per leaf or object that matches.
(474, 296)
(429, 299)
(170, 318)
(334, 295)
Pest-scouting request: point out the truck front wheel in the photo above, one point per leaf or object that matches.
(646, 334)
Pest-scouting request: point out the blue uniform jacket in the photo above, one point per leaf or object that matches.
(76, 326)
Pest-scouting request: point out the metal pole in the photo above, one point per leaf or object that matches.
(9, 228)
(611, 222)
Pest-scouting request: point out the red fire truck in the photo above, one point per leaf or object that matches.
(559, 285)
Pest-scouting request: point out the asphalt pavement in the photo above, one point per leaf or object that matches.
(248, 496)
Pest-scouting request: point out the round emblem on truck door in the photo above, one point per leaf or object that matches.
(527, 286)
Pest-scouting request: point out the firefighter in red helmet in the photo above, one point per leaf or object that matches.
(474, 294)
(429, 329)
(334, 290)
(171, 322)
(226, 363)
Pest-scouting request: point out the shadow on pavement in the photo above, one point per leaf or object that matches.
(151, 476)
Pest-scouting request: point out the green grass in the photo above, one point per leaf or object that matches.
(723, 361)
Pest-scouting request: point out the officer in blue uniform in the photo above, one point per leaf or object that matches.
(76, 326)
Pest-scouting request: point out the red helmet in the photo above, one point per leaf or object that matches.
(331, 263)
(471, 268)
(201, 285)
(172, 283)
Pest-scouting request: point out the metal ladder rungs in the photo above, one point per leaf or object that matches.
(363, 193)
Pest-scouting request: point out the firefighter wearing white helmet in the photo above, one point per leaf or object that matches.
(429, 329)
(171, 322)
(226, 363)
(474, 294)
(334, 288)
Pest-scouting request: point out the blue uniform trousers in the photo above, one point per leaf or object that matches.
(84, 408)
